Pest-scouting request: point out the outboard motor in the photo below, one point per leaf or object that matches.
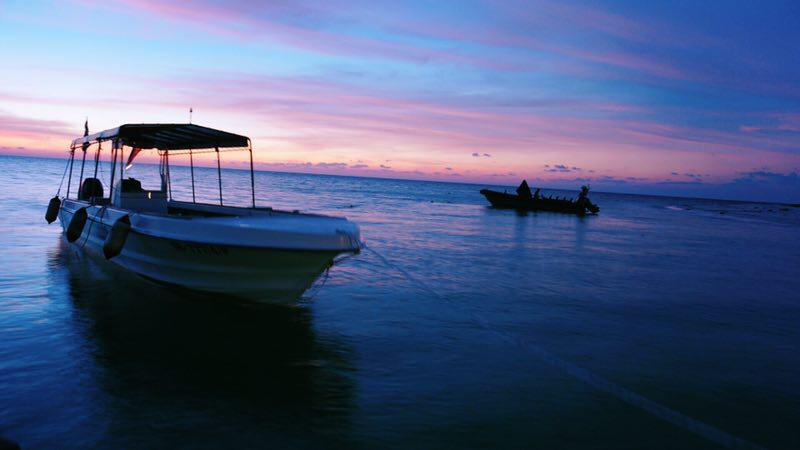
(52, 209)
(75, 228)
(116, 237)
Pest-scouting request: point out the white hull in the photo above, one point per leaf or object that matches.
(268, 264)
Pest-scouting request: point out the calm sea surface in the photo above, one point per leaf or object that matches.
(462, 327)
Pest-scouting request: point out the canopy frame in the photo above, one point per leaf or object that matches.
(165, 138)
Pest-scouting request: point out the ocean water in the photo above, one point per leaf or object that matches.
(660, 323)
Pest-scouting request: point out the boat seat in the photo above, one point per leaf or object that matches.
(128, 194)
(131, 185)
(91, 187)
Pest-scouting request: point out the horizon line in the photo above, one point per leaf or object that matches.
(17, 155)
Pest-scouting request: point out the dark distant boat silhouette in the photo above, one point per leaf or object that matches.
(524, 201)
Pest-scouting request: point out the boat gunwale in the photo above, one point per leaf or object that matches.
(93, 218)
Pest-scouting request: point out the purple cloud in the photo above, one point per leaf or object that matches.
(561, 168)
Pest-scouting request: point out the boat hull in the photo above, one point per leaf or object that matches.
(268, 275)
(511, 201)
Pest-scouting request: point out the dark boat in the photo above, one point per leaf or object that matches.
(524, 201)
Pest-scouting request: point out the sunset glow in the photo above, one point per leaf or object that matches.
(633, 97)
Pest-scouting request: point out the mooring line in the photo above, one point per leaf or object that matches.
(312, 292)
(63, 175)
(89, 231)
(628, 396)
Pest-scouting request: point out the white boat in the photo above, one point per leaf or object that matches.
(252, 252)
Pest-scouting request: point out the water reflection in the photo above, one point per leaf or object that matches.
(170, 361)
(580, 233)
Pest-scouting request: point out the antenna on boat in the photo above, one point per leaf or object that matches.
(190, 114)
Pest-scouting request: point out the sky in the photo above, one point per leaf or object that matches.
(672, 98)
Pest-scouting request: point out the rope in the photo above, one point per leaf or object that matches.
(62, 178)
(658, 410)
(326, 275)
(316, 289)
(89, 231)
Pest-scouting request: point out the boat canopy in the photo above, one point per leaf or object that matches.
(166, 136)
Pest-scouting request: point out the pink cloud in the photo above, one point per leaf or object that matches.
(351, 117)
(277, 21)
(22, 126)
(25, 136)
(589, 42)
(325, 119)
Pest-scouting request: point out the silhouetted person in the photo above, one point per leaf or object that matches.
(584, 193)
(536, 194)
(584, 202)
(524, 191)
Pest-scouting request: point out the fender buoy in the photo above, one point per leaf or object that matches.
(52, 209)
(116, 237)
(75, 228)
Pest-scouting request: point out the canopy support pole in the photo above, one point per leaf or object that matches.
(252, 175)
(161, 173)
(169, 182)
(71, 163)
(114, 152)
(83, 164)
(219, 176)
(97, 157)
(191, 168)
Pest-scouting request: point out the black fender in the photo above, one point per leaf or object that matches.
(52, 209)
(75, 228)
(116, 238)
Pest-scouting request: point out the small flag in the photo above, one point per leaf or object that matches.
(133, 154)
(85, 133)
